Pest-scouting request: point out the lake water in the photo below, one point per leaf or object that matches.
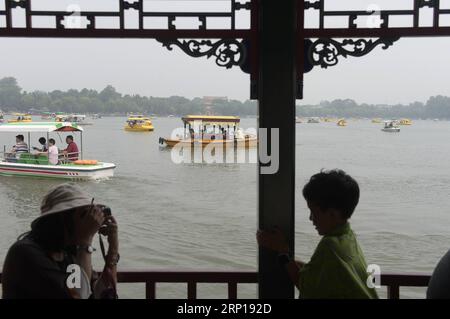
(204, 216)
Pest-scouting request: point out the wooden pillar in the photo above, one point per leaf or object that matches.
(276, 99)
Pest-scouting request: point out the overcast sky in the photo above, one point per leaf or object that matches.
(411, 70)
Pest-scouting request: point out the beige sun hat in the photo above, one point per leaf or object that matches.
(62, 198)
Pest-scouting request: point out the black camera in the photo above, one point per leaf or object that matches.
(105, 210)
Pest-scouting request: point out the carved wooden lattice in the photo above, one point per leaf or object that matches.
(230, 44)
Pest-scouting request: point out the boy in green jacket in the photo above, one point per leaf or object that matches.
(337, 268)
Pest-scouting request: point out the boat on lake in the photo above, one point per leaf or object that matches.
(313, 120)
(204, 130)
(36, 164)
(72, 118)
(139, 123)
(342, 122)
(51, 116)
(391, 126)
(21, 118)
(405, 122)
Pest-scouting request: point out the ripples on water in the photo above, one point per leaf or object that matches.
(200, 216)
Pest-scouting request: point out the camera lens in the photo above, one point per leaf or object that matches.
(106, 211)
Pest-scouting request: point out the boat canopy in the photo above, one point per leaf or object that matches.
(134, 118)
(40, 127)
(212, 120)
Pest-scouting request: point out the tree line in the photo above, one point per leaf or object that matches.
(437, 107)
(108, 101)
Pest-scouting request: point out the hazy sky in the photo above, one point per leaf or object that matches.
(411, 70)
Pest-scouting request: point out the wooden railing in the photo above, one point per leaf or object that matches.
(192, 278)
(393, 282)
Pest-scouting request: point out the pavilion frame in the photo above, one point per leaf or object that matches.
(276, 51)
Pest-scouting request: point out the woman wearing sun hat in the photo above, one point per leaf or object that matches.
(54, 259)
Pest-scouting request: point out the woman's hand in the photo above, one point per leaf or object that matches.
(273, 239)
(87, 222)
(110, 230)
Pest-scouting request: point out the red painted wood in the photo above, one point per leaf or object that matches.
(393, 281)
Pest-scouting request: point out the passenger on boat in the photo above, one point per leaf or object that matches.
(54, 259)
(72, 149)
(337, 268)
(52, 152)
(43, 147)
(20, 147)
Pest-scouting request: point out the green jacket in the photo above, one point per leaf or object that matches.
(337, 269)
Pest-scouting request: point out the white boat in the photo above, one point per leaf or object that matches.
(391, 126)
(73, 118)
(36, 165)
(313, 120)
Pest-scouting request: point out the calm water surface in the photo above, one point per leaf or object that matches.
(203, 216)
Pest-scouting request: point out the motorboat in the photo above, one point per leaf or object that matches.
(391, 126)
(405, 122)
(204, 130)
(72, 118)
(313, 120)
(32, 164)
(342, 122)
(21, 118)
(139, 123)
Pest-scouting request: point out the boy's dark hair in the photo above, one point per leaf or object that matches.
(51, 140)
(42, 140)
(333, 189)
(20, 137)
(70, 137)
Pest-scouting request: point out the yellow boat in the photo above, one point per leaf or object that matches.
(342, 122)
(207, 130)
(405, 122)
(21, 118)
(139, 123)
(376, 121)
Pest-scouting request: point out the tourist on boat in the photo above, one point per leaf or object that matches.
(43, 147)
(439, 284)
(337, 268)
(21, 146)
(54, 259)
(72, 149)
(52, 152)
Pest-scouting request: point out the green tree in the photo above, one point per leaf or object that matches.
(10, 94)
